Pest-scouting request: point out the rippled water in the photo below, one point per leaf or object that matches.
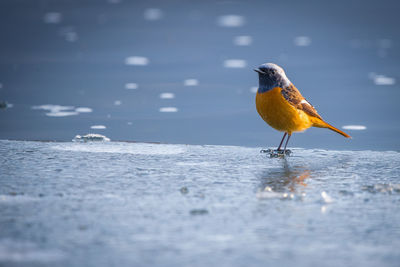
(136, 204)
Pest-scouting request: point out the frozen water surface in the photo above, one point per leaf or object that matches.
(136, 204)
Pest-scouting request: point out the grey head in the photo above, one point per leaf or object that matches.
(270, 76)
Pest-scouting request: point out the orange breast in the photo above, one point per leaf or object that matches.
(279, 113)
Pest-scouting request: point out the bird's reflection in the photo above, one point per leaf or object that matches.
(285, 178)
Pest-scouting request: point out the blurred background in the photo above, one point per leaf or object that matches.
(182, 71)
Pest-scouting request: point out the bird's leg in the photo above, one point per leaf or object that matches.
(287, 141)
(283, 138)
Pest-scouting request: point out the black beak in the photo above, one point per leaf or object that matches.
(259, 71)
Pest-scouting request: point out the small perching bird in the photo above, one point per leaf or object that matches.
(281, 105)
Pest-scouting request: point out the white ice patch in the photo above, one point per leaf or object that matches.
(52, 18)
(382, 79)
(83, 110)
(137, 61)
(131, 86)
(62, 111)
(153, 14)
(235, 63)
(354, 127)
(243, 40)
(302, 41)
(254, 89)
(98, 127)
(231, 21)
(90, 138)
(123, 148)
(168, 109)
(57, 110)
(326, 198)
(26, 253)
(117, 102)
(190, 82)
(114, 1)
(1, 85)
(167, 96)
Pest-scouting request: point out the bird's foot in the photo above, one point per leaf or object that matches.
(275, 153)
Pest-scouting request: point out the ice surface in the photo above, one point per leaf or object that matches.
(231, 21)
(354, 127)
(235, 63)
(167, 95)
(191, 82)
(131, 86)
(136, 204)
(138, 61)
(83, 110)
(168, 109)
(98, 127)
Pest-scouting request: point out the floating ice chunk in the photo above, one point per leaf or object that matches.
(137, 61)
(57, 110)
(190, 82)
(117, 102)
(153, 14)
(91, 138)
(326, 198)
(52, 18)
(254, 89)
(114, 1)
(231, 21)
(243, 40)
(53, 108)
(302, 41)
(382, 79)
(354, 127)
(168, 109)
(62, 113)
(129, 123)
(98, 127)
(167, 95)
(1, 85)
(235, 63)
(83, 110)
(131, 86)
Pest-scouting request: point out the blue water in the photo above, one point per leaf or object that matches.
(343, 56)
(136, 204)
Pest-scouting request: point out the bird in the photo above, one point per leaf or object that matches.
(281, 105)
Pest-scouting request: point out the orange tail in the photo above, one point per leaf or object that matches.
(322, 124)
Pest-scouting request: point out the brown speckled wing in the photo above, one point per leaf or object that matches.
(294, 97)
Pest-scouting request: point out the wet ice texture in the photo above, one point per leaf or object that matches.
(103, 204)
